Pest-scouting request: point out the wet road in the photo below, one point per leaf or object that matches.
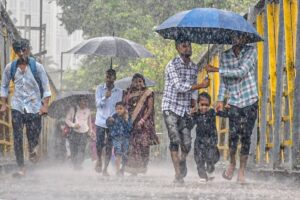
(55, 183)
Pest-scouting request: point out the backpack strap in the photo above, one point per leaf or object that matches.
(32, 65)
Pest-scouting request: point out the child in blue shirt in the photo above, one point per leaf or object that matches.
(120, 127)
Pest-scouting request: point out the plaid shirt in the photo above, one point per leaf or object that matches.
(237, 77)
(179, 78)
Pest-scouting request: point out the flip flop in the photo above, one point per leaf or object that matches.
(18, 174)
(227, 177)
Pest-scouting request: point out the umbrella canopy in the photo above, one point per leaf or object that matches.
(125, 83)
(208, 26)
(60, 106)
(111, 47)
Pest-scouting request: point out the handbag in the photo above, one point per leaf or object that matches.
(67, 130)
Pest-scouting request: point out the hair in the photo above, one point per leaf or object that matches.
(20, 45)
(82, 97)
(111, 72)
(120, 103)
(137, 75)
(204, 95)
(181, 39)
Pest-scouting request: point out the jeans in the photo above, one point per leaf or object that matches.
(33, 125)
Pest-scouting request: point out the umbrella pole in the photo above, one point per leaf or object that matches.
(111, 62)
(207, 75)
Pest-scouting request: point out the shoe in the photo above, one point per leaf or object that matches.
(202, 174)
(210, 168)
(202, 180)
(227, 176)
(183, 168)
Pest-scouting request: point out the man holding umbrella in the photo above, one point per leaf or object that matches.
(179, 95)
(107, 95)
(237, 76)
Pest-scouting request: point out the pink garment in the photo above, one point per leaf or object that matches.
(82, 117)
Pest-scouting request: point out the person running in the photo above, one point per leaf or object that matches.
(180, 83)
(29, 101)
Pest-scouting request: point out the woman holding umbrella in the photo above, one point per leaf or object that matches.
(140, 104)
(79, 119)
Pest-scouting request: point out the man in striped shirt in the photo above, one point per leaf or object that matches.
(179, 94)
(238, 83)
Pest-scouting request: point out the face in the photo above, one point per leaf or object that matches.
(83, 102)
(23, 54)
(110, 79)
(138, 83)
(184, 49)
(203, 105)
(120, 110)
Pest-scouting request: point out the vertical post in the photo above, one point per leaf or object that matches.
(265, 90)
(296, 118)
(279, 90)
(41, 25)
(61, 69)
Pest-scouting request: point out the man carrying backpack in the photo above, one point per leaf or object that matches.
(29, 101)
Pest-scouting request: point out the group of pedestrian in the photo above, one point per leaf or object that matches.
(125, 119)
(237, 83)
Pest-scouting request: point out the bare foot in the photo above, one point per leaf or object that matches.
(241, 177)
(228, 173)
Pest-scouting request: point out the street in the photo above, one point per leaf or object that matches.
(53, 182)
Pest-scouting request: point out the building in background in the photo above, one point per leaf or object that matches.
(57, 39)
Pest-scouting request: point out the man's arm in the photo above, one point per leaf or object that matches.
(5, 87)
(46, 88)
(183, 87)
(245, 66)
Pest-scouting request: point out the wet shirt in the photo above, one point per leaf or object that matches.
(120, 127)
(179, 78)
(82, 117)
(106, 106)
(237, 77)
(26, 95)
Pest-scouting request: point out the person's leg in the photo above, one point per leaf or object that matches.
(108, 152)
(199, 159)
(17, 124)
(100, 137)
(73, 139)
(33, 130)
(249, 118)
(117, 144)
(234, 129)
(125, 148)
(186, 144)
(82, 141)
(171, 121)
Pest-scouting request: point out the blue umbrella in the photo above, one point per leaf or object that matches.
(208, 26)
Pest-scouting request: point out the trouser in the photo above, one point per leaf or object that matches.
(78, 143)
(33, 125)
(103, 139)
(241, 124)
(178, 131)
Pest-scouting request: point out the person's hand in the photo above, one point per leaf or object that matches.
(227, 106)
(193, 110)
(219, 106)
(107, 94)
(210, 68)
(141, 123)
(110, 120)
(205, 83)
(43, 110)
(3, 108)
(126, 116)
(76, 126)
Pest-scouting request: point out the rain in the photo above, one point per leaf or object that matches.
(149, 99)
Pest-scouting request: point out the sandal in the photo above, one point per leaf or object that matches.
(226, 176)
(18, 174)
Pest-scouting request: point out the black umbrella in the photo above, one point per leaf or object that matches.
(125, 83)
(60, 106)
(111, 47)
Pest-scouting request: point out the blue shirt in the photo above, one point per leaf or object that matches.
(26, 90)
(120, 127)
(106, 106)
